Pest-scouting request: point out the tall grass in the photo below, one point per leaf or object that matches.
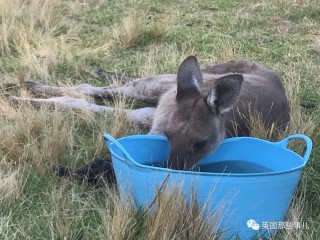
(37, 34)
(64, 42)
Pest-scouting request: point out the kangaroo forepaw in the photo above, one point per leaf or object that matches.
(31, 85)
(97, 172)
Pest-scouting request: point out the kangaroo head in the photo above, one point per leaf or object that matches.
(196, 126)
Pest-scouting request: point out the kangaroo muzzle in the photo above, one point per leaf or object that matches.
(180, 160)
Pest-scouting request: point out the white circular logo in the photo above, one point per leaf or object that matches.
(252, 224)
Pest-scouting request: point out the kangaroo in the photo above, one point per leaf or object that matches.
(211, 104)
(197, 108)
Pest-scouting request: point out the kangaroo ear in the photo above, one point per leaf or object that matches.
(189, 79)
(225, 93)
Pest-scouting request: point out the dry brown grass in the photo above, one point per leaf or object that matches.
(35, 136)
(62, 214)
(299, 122)
(169, 217)
(316, 43)
(174, 218)
(296, 213)
(128, 31)
(118, 220)
(31, 34)
(134, 25)
(161, 59)
(6, 109)
(11, 184)
(37, 36)
(294, 4)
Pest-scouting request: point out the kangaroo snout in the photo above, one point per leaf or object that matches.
(180, 160)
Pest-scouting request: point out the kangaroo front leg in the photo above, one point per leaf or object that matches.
(147, 89)
(142, 116)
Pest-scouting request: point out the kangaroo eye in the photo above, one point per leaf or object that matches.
(200, 144)
(167, 135)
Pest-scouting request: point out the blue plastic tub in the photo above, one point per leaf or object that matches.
(250, 180)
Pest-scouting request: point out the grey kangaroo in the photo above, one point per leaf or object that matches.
(197, 108)
(213, 103)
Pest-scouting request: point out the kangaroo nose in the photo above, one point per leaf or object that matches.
(180, 161)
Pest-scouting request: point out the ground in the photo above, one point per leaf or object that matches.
(64, 43)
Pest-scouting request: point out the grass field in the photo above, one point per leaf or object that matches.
(64, 42)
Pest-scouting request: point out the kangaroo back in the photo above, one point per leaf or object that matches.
(262, 94)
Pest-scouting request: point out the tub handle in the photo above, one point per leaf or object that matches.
(109, 138)
(284, 143)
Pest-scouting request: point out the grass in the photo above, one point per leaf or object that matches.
(64, 42)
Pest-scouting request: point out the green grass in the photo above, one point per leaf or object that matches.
(69, 40)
